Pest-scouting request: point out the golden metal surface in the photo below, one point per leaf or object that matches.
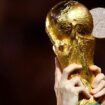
(69, 25)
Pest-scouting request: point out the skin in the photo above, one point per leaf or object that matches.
(67, 91)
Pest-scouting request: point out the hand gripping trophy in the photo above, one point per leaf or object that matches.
(69, 25)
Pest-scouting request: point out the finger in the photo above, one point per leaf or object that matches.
(76, 81)
(57, 71)
(99, 87)
(84, 91)
(70, 69)
(95, 69)
(57, 75)
(97, 80)
(72, 83)
(100, 94)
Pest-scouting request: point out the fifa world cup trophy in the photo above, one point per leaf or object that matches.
(69, 25)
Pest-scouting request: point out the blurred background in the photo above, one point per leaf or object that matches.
(26, 56)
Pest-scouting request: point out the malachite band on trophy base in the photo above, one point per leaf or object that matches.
(94, 104)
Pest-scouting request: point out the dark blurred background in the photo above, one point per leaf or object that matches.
(26, 57)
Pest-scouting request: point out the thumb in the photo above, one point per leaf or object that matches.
(58, 73)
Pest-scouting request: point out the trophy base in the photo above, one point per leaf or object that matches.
(94, 104)
(91, 101)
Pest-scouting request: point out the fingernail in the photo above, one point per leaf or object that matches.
(95, 96)
(80, 66)
(93, 91)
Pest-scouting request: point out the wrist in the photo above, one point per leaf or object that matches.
(69, 101)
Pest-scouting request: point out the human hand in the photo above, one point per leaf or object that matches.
(67, 91)
(98, 84)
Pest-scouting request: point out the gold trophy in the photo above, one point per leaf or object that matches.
(69, 25)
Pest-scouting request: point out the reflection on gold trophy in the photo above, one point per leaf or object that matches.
(69, 25)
